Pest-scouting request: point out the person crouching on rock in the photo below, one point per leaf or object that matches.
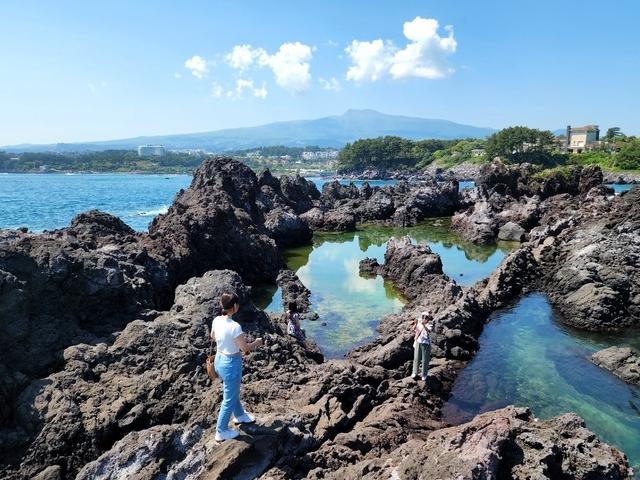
(422, 345)
(293, 322)
(228, 364)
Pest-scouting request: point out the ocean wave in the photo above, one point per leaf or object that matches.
(152, 212)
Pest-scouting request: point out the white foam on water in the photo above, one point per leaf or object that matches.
(153, 212)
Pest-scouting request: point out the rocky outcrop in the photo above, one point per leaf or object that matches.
(477, 224)
(623, 362)
(506, 443)
(591, 264)
(293, 291)
(403, 204)
(219, 223)
(131, 399)
(511, 231)
(330, 221)
(621, 177)
(287, 228)
(76, 285)
(518, 199)
(152, 375)
(465, 171)
(528, 180)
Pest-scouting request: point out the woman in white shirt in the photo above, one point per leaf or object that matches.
(422, 345)
(228, 364)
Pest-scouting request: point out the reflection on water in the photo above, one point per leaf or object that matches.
(350, 306)
(528, 359)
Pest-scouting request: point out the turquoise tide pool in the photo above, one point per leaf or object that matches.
(528, 358)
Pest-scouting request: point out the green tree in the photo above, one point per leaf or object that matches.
(628, 158)
(389, 152)
(613, 132)
(522, 144)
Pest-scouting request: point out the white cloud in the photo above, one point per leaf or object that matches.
(242, 57)
(425, 56)
(177, 76)
(370, 60)
(290, 65)
(216, 90)
(333, 43)
(197, 65)
(243, 86)
(260, 92)
(330, 84)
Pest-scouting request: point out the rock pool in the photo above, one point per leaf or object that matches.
(350, 306)
(528, 358)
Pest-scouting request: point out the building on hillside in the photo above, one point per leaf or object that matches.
(151, 151)
(579, 139)
(477, 152)
(322, 155)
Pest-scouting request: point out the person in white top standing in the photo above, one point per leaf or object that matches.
(422, 345)
(228, 364)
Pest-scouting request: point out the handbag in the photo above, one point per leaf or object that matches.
(209, 363)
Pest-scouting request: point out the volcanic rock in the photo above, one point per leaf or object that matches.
(511, 231)
(293, 291)
(623, 362)
(506, 443)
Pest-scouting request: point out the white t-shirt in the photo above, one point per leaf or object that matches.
(422, 333)
(225, 330)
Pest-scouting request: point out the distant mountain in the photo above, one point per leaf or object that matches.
(332, 131)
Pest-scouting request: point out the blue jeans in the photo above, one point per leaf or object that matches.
(229, 367)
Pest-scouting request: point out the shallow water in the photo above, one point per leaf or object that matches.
(48, 201)
(621, 187)
(527, 358)
(350, 305)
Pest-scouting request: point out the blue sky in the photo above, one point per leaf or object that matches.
(78, 70)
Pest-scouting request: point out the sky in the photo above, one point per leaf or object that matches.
(98, 70)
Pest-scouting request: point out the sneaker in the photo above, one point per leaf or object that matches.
(246, 418)
(226, 435)
(415, 377)
(424, 379)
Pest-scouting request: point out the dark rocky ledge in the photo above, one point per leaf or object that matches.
(623, 362)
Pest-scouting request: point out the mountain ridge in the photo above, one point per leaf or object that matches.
(330, 131)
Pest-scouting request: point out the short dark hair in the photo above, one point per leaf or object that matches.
(293, 307)
(228, 301)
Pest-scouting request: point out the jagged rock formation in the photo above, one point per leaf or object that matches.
(402, 204)
(151, 375)
(506, 443)
(512, 198)
(293, 291)
(623, 362)
(128, 397)
(592, 264)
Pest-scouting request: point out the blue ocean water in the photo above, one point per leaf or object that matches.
(621, 187)
(48, 201)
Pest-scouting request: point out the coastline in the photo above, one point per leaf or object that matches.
(318, 420)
